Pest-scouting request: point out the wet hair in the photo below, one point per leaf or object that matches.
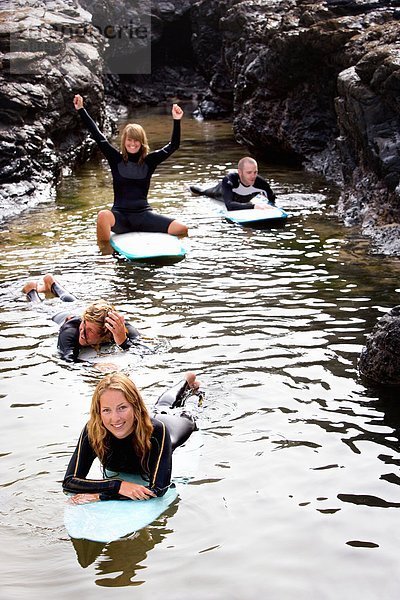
(136, 132)
(243, 161)
(97, 313)
(143, 427)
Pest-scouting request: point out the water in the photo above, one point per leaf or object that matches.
(293, 480)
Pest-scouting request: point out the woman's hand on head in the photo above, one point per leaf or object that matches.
(115, 323)
(78, 102)
(135, 491)
(177, 112)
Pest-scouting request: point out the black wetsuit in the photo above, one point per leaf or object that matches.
(235, 194)
(131, 181)
(68, 337)
(169, 431)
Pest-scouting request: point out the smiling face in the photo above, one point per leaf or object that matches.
(248, 173)
(116, 413)
(132, 146)
(90, 334)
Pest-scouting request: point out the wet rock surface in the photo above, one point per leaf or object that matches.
(380, 358)
(51, 51)
(316, 83)
(41, 72)
(308, 82)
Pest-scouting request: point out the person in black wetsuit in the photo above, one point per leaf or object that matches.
(100, 323)
(123, 436)
(238, 189)
(131, 170)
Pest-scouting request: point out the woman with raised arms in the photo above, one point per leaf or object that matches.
(132, 168)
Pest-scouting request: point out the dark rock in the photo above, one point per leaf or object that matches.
(316, 83)
(380, 358)
(42, 68)
(311, 82)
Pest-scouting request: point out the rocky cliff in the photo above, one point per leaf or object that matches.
(306, 81)
(41, 70)
(49, 51)
(315, 83)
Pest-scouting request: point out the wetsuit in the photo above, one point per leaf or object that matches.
(169, 431)
(68, 336)
(131, 181)
(235, 194)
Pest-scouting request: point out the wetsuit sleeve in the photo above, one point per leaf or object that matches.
(79, 466)
(158, 156)
(105, 147)
(67, 343)
(160, 461)
(227, 194)
(262, 184)
(132, 334)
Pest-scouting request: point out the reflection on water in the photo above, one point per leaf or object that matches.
(124, 556)
(297, 458)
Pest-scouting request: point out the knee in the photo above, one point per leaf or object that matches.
(104, 216)
(178, 229)
(183, 230)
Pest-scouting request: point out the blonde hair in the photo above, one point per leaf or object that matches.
(136, 132)
(143, 428)
(97, 313)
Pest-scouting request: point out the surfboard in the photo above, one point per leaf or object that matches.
(271, 215)
(257, 216)
(107, 521)
(148, 246)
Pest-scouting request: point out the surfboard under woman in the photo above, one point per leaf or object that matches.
(132, 168)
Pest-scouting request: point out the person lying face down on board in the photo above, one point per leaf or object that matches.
(238, 189)
(100, 323)
(123, 436)
(132, 168)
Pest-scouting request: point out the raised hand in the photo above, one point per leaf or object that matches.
(115, 323)
(177, 112)
(78, 102)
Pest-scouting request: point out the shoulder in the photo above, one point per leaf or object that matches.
(232, 176)
(84, 437)
(260, 181)
(71, 324)
(158, 427)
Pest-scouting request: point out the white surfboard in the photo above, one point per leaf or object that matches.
(269, 214)
(109, 520)
(148, 246)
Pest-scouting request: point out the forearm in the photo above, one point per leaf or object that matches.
(262, 184)
(76, 485)
(132, 335)
(176, 135)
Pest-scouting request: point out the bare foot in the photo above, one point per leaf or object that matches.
(48, 281)
(192, 381)
(106, 367)
(29, 286)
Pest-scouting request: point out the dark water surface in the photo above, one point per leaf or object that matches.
(293, 481)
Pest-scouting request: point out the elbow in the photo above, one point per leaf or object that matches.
(66, 485)
(159, 492)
